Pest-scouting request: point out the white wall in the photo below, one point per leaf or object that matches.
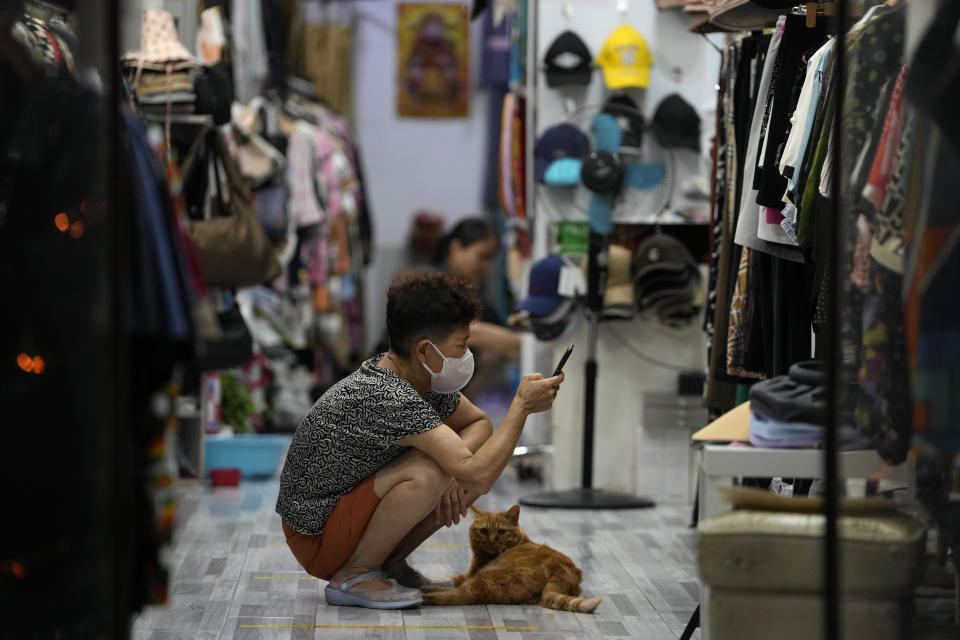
(409, 163)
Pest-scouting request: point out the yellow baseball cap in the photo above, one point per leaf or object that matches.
(625, 59)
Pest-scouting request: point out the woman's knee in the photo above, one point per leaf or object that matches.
(412, 467)
(428, 476)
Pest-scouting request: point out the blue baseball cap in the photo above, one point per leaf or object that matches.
(560, 141)
(563, 172)
(542, 296)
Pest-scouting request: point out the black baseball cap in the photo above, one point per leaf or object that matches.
(568, 61)
(677, 124)
(627, 114)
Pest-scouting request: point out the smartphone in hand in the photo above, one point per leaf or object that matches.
(563, 360)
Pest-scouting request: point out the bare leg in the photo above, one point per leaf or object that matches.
(409, 488)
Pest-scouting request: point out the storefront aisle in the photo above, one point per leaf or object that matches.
(233, 577)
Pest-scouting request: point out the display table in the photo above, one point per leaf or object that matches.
(719, 464)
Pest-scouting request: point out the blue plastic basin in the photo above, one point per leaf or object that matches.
(256, 455)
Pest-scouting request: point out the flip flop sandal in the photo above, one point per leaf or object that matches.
(396, 597)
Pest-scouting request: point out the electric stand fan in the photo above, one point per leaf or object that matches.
(642, 177)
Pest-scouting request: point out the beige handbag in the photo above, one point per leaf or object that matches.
(232, 248)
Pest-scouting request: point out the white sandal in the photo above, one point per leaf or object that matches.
(396, 597)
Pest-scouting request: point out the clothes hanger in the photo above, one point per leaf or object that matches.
(43, 11)
(12, 51)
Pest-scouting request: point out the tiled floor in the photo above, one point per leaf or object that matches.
(233, 577)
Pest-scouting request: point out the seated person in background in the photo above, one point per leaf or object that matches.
(394, 451)
(468, 252)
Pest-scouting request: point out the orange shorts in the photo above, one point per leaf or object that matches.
(321, 555)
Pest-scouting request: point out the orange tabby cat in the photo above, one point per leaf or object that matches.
(508, 568)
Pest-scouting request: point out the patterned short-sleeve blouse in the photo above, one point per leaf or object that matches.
(347, 436)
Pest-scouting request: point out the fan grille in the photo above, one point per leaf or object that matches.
(633, 205)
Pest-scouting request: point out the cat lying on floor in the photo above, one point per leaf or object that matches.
(509, 568)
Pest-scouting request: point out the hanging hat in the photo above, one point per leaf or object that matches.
(558, 142)
(618, 297)
(664, 272)
(662, 253)
(742, 15)
(625, 59)
(558, 323)
(677, 124)
(159, 43)
(568, 61)
(625, 111)
(543, 297)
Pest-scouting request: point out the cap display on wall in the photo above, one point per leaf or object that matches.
(558, 142)
(676, 123)
(625, 59)
(568, 61)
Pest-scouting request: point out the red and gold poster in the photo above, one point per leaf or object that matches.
(432, 56)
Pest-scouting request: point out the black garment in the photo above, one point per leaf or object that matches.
(781, 290)
(753, 54)
(274, 40)
(927, 88)
(798, 41)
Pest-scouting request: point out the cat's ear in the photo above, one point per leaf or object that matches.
(513, 514)
(476, 511)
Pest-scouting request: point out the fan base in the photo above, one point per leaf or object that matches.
(586, 499)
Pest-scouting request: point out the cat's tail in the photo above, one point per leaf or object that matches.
(563, 602)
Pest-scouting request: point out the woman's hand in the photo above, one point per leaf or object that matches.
(452, 506)
(536, 393)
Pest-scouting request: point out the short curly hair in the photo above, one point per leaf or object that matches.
(428, 305)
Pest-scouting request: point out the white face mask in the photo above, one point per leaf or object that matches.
(454, 374)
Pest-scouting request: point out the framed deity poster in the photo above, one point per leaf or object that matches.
(432, 58)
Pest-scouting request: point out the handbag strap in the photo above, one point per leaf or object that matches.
(238, 185)
(216, 182)
(193, 155)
